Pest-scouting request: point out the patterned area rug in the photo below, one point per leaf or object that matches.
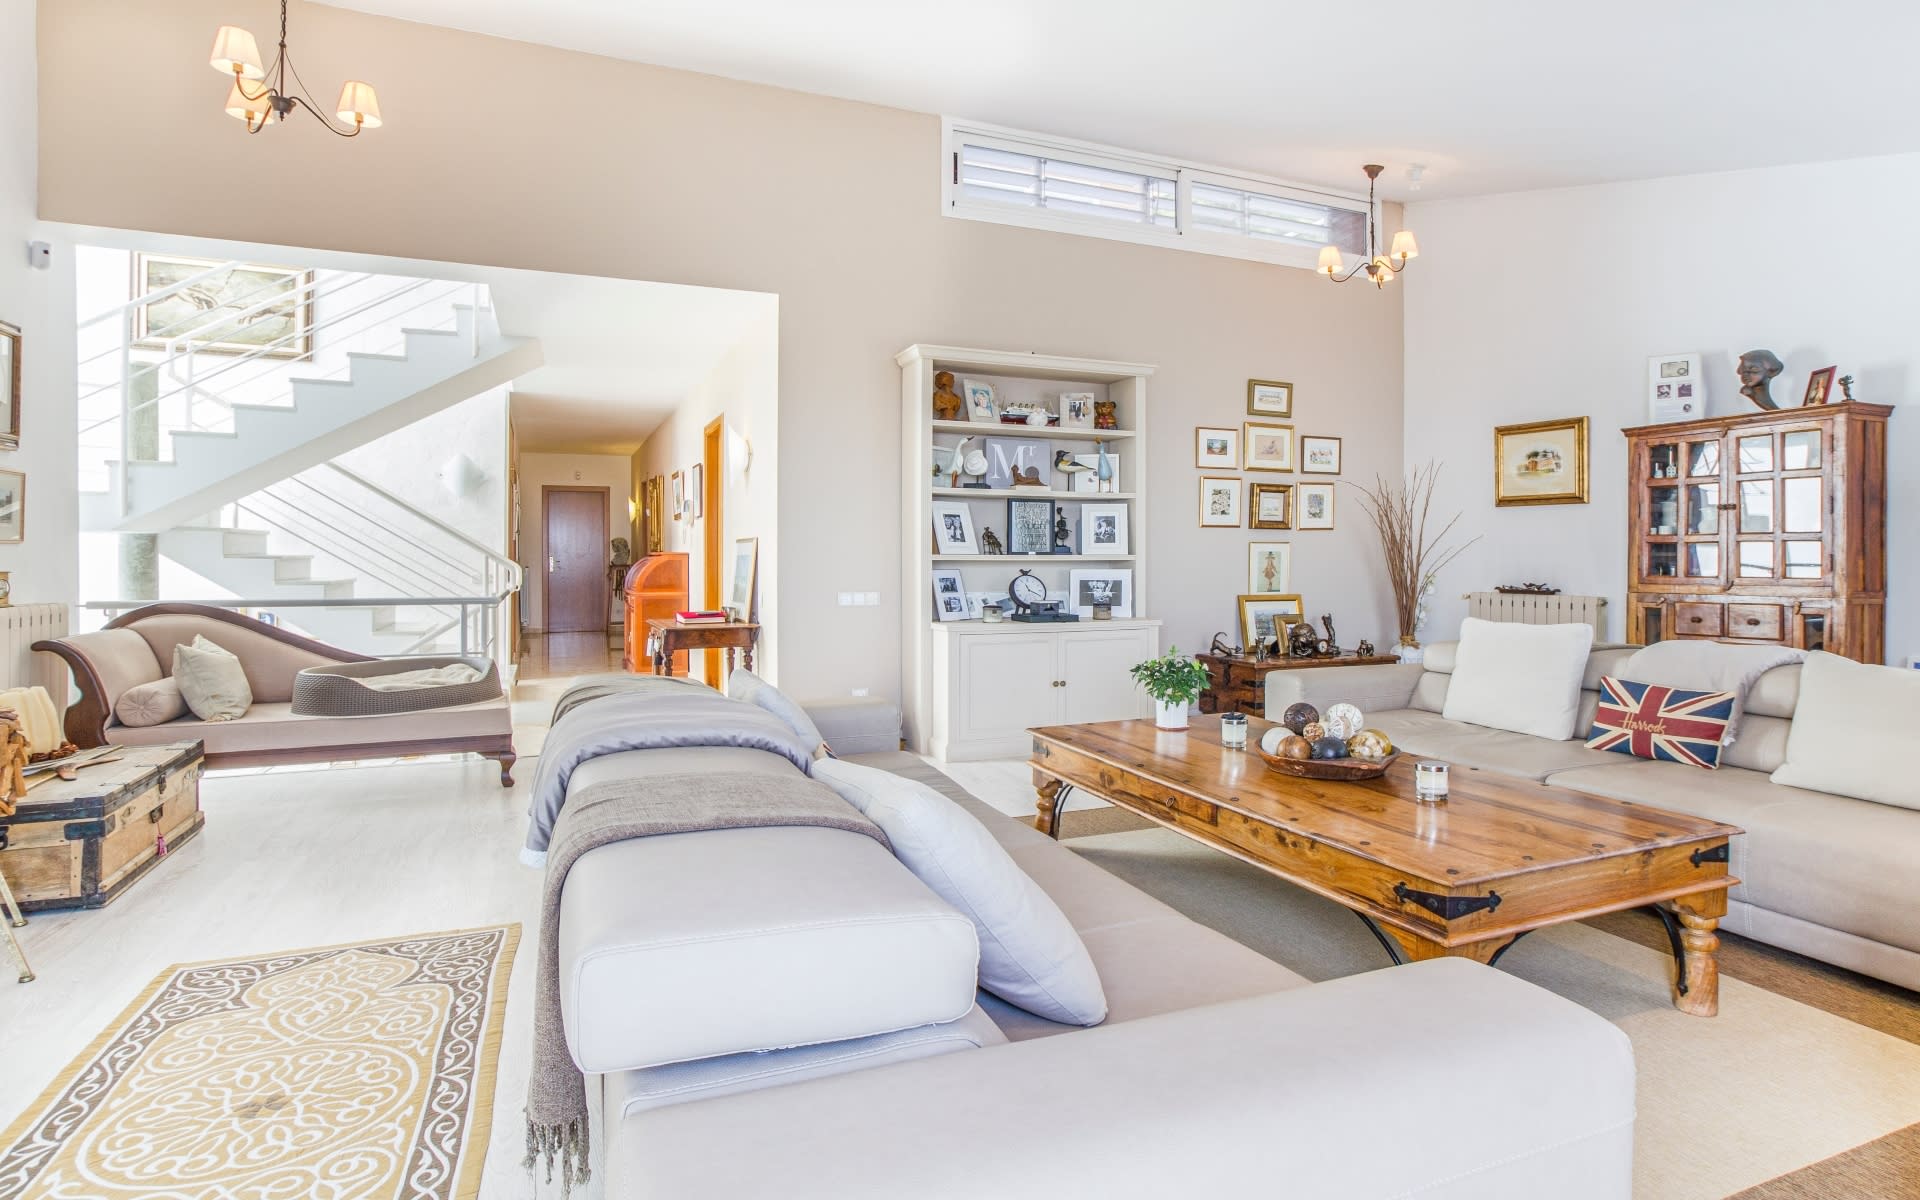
(337, 1073)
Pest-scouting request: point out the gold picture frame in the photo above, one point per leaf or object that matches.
(1270, 607)
(1260, 500)
(1269, 398)
(1266, 447)
(1540, 462)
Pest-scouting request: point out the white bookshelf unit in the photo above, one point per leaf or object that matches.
(972, 689)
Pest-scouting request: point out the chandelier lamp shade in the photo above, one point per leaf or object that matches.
(1379, 267)
(260, 95)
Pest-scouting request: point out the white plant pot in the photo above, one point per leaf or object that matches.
(1169, 714)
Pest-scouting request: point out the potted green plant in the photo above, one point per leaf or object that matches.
(1174, 680)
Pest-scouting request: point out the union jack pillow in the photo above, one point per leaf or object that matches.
(1650, 721)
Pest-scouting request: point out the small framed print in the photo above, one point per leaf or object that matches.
(1269, 567)
(697, 490)
(1076, 410)
(1103, 529)
(980, 404)
(1819, 386)
(1319, 455)
(1313, 506)
(13, 507)
(1089, 479)
(1270, 506)
(1263, 618)
(1268, 447)
(1219, 502)
(979, 602)
(1541, 462)
(1216, 448)
(9, 386)
(953, 528)
(1676, 389)
(679, 495)
(1269, 398)
(1109, 586)
(1029, 527)
(949, 596)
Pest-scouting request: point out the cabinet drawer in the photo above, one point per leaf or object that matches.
(1764, 622)
(1699, 620)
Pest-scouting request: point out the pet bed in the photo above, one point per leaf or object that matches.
(341, 690)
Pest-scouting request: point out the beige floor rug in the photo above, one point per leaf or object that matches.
(1767, 1087)
(337, 1073)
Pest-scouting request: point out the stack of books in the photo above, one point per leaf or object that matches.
(706, 616)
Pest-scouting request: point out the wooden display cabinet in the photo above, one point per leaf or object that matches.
(656, 586)
(1769, 527)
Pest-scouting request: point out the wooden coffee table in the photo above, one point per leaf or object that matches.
(1466, 878)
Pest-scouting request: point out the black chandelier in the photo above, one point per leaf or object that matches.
(260, 95)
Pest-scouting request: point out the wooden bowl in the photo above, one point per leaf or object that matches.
(1327, 768)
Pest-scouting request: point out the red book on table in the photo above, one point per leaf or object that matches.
(701, 617)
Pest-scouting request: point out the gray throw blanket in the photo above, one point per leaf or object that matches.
(1707, 666)
(615, 811)
(642, 712)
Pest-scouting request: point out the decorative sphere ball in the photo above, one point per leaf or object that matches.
(1271, 739)
(1299, 715)
(1343, 720)
(1329, 747)
(1369, 744)
(1313, 731)
(1295, 746)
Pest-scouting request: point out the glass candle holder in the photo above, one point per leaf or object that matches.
(1430, 782)
(1233, 731)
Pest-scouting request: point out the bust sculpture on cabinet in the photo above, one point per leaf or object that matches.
(1757, 369)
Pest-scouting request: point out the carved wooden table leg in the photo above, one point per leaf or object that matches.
(1047, 817)
(1699, 916)
(748, 652)
(10, 919)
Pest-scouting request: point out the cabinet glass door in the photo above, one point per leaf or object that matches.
(1781, 504)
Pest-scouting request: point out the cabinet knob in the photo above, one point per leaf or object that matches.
(1753, 620)
(1695, 620)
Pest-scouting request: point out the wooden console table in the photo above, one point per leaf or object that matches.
(1240, 684)
(667, 637)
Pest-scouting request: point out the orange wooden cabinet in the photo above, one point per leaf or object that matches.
(1768, 527)
(656, 586)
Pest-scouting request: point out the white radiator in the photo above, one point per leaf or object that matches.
(20, 666)
(1536, 610)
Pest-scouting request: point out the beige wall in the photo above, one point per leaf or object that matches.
(609, 471)
(613, 168)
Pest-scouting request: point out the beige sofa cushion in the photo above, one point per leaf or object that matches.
(1523, 678)
(151, 703)
(1468, 746)
(211, 679)
(270, 664)
(1853, 722)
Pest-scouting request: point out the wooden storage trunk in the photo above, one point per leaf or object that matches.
(80, 844)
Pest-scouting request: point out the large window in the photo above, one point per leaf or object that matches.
(1006, 176)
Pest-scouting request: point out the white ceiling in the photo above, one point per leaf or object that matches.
(1492, 95)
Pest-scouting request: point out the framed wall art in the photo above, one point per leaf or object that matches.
(1216, 448)
(1219, 502)
(13, 507)
(949, 596)
(953, 528)
(979, 395)
(1263, 616)
(1103, 529)
(247, 309)
(1269, 398)
(1076, 410)
(1029, 527)
(1819, 386)
(1313, 506)
(1319, 455)
(741, 600)
(1013, 459)
(1268, 447)
(1089, 479)
(1107, 585)
(1676, 390)
(679, 485)
(1270, 506)
(1269, 567)
(1541, 462)
(10, 342)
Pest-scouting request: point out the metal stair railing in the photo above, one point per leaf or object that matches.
(478, 618)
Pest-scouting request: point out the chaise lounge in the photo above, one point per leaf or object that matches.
(137, 648)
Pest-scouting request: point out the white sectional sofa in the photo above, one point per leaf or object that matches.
(1823, 875)
(790, 1012)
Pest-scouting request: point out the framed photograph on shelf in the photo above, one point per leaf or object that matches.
(953, 528)
(1269, 568)
(979, 602)
(13, 507)
(949, 596)
(1676, 390)
(1319, 455)
(980, 403)
(1269, 398)
(1313, 506)
(1541, 462)
(1103, 529)
(249, 309)
(9, 386)
(1089, 479)
(1268, 447)
(1263, 617)
(1076, 410)
(1819, 386)
(741, 601)
(1219, 502)
(1110, 586)
(1270, 506)
(1029, 527)
(1216, 448)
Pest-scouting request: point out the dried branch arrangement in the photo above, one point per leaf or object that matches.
(1400, 512)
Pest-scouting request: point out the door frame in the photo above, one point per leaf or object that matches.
(546, 591)
(712, 455)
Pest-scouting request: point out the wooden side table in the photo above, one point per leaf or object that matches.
(667, 637)
(1240, 684)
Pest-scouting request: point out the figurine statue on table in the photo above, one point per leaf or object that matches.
(990, 542)
(1330, 645)
(946, 402)
(1757, 369)
(1301, 642)
(1062, 536)
(1846, 389)
(622, 553)
(1364, 649)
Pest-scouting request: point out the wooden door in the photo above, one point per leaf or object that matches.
(576, 560)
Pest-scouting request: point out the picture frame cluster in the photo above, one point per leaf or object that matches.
(1262, 446)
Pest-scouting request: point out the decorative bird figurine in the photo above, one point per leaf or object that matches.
(1064, 462)
(957, 462)
(1104, 471)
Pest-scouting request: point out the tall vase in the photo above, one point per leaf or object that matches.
(1409, 650)
(1169, 714)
